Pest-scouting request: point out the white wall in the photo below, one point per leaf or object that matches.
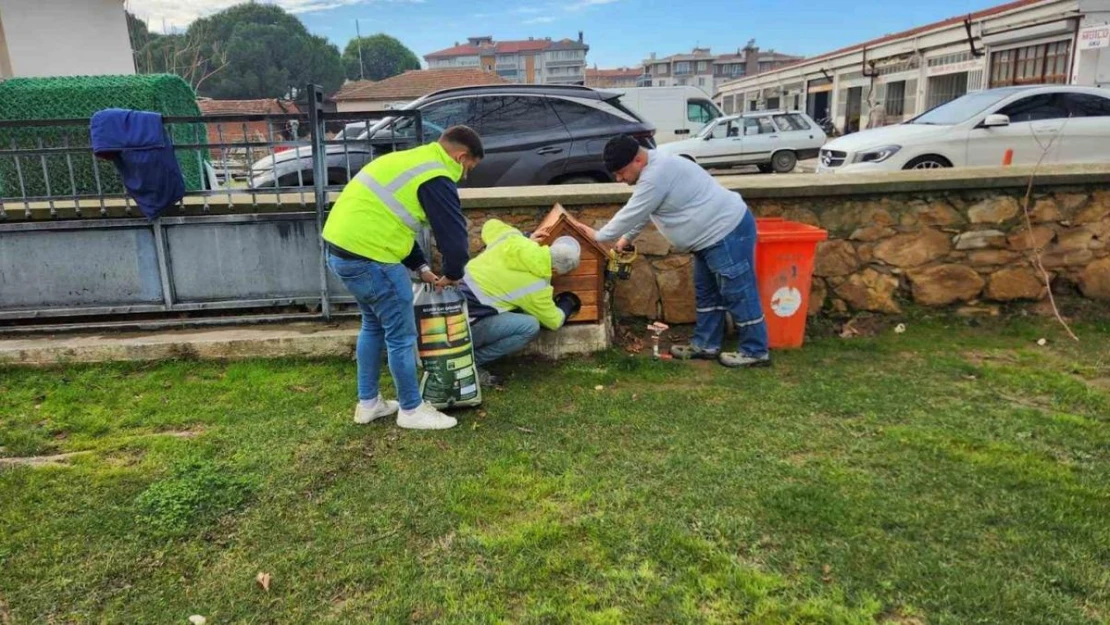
(65, 38)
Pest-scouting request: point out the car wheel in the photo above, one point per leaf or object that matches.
(765, 168)
(783, 162)
(929, 161)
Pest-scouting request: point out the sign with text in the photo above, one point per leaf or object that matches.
(1094, 37)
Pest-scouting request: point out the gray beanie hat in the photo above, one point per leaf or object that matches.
(565, 255)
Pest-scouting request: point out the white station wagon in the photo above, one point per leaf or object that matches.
(771, 140)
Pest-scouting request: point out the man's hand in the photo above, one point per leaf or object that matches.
(428, 277)
(445, 281)
(623, 244)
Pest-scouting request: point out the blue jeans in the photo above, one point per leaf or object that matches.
(384, 295)
(724, 281)
(500, 335)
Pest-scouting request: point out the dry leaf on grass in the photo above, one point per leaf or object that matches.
(263, 580)
(442, 445)
(197, 619)
(525, 430)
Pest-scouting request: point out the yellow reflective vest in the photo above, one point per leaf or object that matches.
(514, 272)
(378, 215)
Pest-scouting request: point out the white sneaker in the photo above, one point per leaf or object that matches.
(424, 417)
(381, 409)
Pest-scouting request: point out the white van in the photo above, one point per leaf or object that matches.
(676, 112)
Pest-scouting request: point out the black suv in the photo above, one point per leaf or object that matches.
(533, 135)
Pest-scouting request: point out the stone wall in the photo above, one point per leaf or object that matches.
(941, 238)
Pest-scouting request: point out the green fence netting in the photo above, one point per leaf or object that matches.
(79, 97)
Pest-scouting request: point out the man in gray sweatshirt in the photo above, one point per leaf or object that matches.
(698, 215)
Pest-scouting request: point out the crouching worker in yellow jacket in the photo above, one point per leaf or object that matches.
(509, 294)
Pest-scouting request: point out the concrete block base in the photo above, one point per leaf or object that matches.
(573, 339)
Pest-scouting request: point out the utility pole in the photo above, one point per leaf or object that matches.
(361, 70)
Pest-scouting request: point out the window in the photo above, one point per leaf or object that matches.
(578, 116)
(440, 116)
(700, 111)
(772, 104)
(1035, 108)
(799, 121)
(761, 126)
(730, 104)
(792, 122)
(701, 81)
(682, 67)
(895, 104)
(721, 131)
(783, 123)
(497, 115)
(1086, 105)
(703, 66)
(1030, 65)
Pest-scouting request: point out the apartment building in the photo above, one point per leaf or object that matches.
(531, 61)
(907, 73)
(619, 78)
(701, 68)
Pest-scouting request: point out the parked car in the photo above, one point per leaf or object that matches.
(676, 112)
(1064, 124)
(532, 134)
(771, 140)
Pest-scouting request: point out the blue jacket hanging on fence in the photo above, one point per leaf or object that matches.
(140, 147)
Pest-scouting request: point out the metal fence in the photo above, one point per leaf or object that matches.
(244, 238)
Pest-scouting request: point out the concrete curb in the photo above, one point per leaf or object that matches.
(301, 340)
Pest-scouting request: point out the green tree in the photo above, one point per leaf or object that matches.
(382, 56)
(247, 51)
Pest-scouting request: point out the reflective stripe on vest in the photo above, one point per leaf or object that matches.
(503, 303)
(388, 193)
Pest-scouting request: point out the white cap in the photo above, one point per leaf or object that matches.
(565, 255)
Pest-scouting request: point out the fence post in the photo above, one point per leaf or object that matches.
(320, 184)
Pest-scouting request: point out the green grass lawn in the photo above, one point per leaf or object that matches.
(946, 475)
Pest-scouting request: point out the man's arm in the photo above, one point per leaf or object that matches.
(440, 199)
(632, 218)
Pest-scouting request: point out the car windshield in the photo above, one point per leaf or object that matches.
(708, 130)
(963, 108)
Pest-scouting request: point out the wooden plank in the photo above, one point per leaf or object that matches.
(573, 282)
(588, 314)
(588, 267)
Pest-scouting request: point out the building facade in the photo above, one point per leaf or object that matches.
(701, 68)
(620, 78)
(64, 38)
(531, 61)
(896, 77)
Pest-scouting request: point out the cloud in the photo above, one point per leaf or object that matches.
(528, 10)
(540, 20)
(585, 4)
(177, 14)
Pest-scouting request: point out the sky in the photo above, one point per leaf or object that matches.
(619, 32)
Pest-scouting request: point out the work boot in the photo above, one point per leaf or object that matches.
(686, 352)
(425, 417)
(365, 412)
(487, 379)
(738, 359)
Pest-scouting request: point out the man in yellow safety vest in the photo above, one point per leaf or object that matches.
(514, 273)
(371, 236)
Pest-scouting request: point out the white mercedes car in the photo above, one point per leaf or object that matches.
(1065, 124)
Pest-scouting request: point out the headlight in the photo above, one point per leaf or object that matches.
(877, 155)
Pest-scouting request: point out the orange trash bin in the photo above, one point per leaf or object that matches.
(784, 255)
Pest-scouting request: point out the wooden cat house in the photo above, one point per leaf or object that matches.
(588, 280)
